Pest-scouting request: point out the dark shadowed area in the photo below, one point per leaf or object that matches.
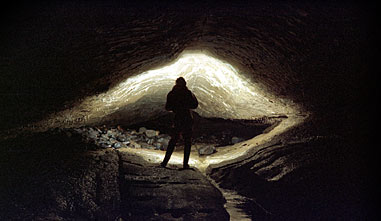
(75, 90)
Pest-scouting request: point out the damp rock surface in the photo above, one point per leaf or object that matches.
(54, 176)
(153, 192)
(298, 175)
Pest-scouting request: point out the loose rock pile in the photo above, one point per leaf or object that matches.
(119, 137)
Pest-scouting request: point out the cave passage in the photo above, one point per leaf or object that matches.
(72, 68)
(231, 107)
(222, 90)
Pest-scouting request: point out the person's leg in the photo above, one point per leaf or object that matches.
(170, 148)
(187, 149)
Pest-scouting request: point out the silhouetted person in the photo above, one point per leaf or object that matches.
(180, 100)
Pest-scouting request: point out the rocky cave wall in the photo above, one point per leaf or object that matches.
(316, 55)
(56, 54)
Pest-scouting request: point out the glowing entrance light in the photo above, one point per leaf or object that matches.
(220, 88)
(222, 92)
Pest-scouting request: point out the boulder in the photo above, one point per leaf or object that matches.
(206, 150)
(151, 133)
(135, 145)
(104, 144)
(147, 146)
(117, 145)
(104, 137)
(164, 141)
(111, 134)
(150, 141)
(158, 146)
(142, 130)
(237, 140)
(121, 138)
(132, 137)
(93, 134)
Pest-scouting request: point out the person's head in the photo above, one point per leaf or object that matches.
(181, 82)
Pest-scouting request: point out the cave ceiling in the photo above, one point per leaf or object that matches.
(58, 55)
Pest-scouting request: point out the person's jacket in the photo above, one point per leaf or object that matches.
(180, 100)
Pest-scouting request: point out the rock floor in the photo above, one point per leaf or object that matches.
(150, 192)
(80, 179)
(58, 178)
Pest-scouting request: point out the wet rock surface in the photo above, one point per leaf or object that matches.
(155, 193)
(57, 176)
(298, 176)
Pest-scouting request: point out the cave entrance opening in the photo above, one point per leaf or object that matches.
(230, 105)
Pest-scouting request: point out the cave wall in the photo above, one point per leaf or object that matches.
(55, 54)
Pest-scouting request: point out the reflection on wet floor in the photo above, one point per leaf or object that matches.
(234, 203)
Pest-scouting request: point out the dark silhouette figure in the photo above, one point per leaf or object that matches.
(180, 100)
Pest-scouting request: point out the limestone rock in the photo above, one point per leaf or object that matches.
(206, 150)
(164, 141)
(142, 130)
(117, 145)
(151, 133)
(135, 145)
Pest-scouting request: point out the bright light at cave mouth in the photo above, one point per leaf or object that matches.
(222, 92)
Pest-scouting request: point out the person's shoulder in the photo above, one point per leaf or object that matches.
(170, 93)
(190, 92)
(187, 90)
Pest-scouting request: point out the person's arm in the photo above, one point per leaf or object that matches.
(194, 101)
(169, 103)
